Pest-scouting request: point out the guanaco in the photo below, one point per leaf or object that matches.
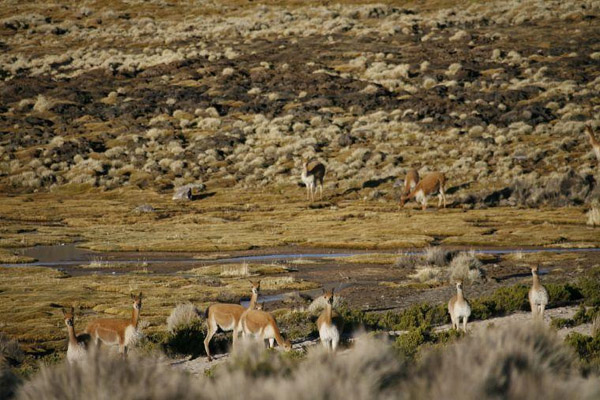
(78, 346)
(330, 323)
(226, 317)
(432, 183)
(459, 308)
(312, 176)
(538, 295)
(117, 331)
(411, 180)
(593, 142)
(261, 325)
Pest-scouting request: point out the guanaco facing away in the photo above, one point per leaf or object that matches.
(226, 317)
(117, 331)
(330, 323)
(434, 182)
(78, 346)
(261, 325)
(411, 180)
(538, 295)
(593, 142)
(459, 308)
(312, 176)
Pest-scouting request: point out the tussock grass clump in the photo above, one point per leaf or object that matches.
(181, 316)
(106, 377)
(10, 351)
(515, 361)
(437, 256)
(466, 267)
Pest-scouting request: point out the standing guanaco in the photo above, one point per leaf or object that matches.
(226, 317)
(117, 331)
(432, 183)
(459, 307)
(538, 295)
(261, 325)
(78, 346)
(593, 142)
(330, 323)
(312, 176)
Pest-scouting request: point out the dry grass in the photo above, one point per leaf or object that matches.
(181, 316)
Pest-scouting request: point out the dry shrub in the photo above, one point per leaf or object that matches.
(465, 267)
(427, 274)
(106, 377)
(524, 361)
(319, 303)
(183, 315)
(370, 370)
(10, 355)
(437, 256)
(593, 216)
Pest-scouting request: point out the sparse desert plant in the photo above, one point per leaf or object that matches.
(235, 270)
(593, 215)
(10, 351)
(408, 260)
(427, 274)
(182, 315)
(466, 267)
(512, 361)
(104, 377)
(437, 256)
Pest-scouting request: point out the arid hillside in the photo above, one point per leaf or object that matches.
(157, 94)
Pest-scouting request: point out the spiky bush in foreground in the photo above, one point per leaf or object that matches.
(106, 377)
(518, 361)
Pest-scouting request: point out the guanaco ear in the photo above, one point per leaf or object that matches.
(63, 311)
(323, 290)
(72, 310)
(140, 295)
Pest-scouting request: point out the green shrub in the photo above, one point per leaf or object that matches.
(408, 343)
(186, 339)
(297, 325)
(589, 286)
(588, 350)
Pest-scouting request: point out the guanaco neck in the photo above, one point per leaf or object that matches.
(253, 301)
(278, 337)
(536, 281)
(135, 317)
(459, 294)
(72, 337)
(328, 313)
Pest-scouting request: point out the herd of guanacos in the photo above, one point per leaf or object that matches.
(253, 321)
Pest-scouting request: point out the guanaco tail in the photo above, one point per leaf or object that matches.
(538, 295)
(434, 182)
(261, 325)
(78, 346)
(330, 323)
(117, 331)
(312, 176)
(459, 308)
(226, 317)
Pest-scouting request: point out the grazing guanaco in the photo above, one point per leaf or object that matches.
(432, 183)
(330, 323)
(117, 331)
(538, 295)
(226, 317)
(261, 325)
(411, 180)
(77, 349)
(312, 176)
(459, 308)
(593, 142)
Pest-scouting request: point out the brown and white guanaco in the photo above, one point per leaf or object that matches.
(459, 308)
(226, 317)
(538, 295)
(330, 323)
(432, 183)
(78, 346)
(261, 325)
(593, 142)
(312, 176)
(117, 331)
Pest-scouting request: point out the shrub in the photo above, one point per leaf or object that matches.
(437, 256)
(518, 361)
(186, 339)
(589, 285)
(593, 215)
(182, 315)
(106, 377)
(465, 267)
(10, 351)
(587, 348)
